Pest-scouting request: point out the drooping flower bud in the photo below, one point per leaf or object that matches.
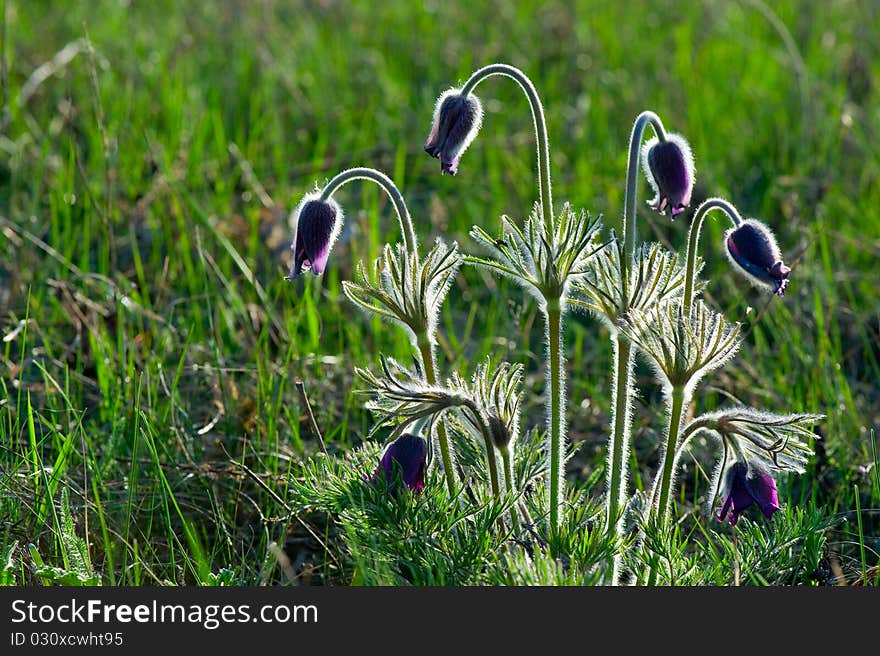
(669, 167)
(751, 248)
(457, 119)
(746, 484)
(316, 225)
(406, 458)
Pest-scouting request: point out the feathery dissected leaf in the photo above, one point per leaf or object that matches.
(683, 348)
(656, 277)
(406, 288)
(543, 264)
(402, 397)
(491, 399)
(496, 393)
(781, 441)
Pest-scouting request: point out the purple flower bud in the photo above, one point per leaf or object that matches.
(316, 225)
(745, 484)
(457, 120)
(405, 457)
(669, 167)
(752, 249)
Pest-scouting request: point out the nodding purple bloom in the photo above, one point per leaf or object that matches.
(405, 457)
(457, 120)
(316, 225)
(746, 484)
(752, 249)
(669, 167)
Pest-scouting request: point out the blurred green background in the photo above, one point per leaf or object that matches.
(150, 346)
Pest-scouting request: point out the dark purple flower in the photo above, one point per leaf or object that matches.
(316, 225)
(752, 249)
(406, 457)
(669, 167)
(745, 484)
(457, 120)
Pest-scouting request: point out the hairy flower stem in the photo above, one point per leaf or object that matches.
(507, 459)
(427, 351)
(664, 483)
(621, 433)
(427, 346)
(493, 466)
(491, 460)
(554, 333)
(632, 180)
(660, 495)
(694, 239)
(554, 309)
(618, 447)
(364, 173)
(540, 124)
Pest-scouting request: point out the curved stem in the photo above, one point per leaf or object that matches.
(540, 124)
(621, 436)
(692, 429)
(694, 239)
(427, 351)
(553, 311)
(556, 431)
(427, 346)
(364, 173)
(632, 180)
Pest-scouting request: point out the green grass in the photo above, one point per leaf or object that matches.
(150, 345)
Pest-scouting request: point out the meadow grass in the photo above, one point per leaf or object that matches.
(150, 426)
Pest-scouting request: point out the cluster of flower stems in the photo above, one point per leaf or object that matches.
(646, 295)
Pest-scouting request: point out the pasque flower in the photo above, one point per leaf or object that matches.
(405, 457)
(752, 249)
(669, 167)
(316, 224)
(746, 484)
(457, 119)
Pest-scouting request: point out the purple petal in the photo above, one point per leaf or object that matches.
(317, 225)
(450, 167)
(762, 488)
(737, 496)
(669, 166)
(319, 261)
(752, 248)
(408, 453)
(457, 119)
(728, 502)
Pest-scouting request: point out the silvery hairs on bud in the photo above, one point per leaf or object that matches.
(457, 120)
(669, 167)
(752, 250)
(316, 224)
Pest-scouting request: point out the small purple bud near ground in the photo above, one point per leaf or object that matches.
(457, 119)
(405, 457)
(746, 484)
(316, 224)
(669, 167)
(752, 249)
